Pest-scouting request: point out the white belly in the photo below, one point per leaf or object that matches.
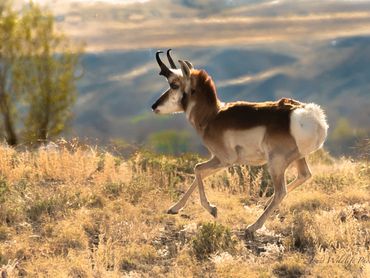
(245, 146)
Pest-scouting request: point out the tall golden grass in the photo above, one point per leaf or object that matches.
(72, 211)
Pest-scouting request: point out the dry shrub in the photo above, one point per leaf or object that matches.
(139, 257)
(331, 270)
(341, 262)
(3, 189)
(137, 189)
(325, 230)
(68, 236)
(95, 201)
(77, 272)
(291, 267)
(331, 232)
(356, 195)
(50, 207)
(340, 176)
(229, 266)
(332, 182)
(4, 233)
(253, 181)
(53, 266)
(321, 157)
(309, 201)
(113, 189)
(184, 265)
(303, 235)
(82, 212)
(104, 256)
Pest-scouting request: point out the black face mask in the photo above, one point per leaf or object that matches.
(184, 101)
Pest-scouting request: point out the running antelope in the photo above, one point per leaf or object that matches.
(278, 133)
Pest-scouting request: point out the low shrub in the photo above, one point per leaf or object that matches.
(212, 237)
(290, 267)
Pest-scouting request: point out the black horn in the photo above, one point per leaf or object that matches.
(165, 71)
(173, 66)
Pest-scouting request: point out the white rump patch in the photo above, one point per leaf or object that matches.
(309, 128)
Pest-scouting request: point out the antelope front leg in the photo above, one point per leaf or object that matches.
(203, 198)
(182, 202)
(210, 167)
(203, 170)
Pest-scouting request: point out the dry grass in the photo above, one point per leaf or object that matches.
(73, 211)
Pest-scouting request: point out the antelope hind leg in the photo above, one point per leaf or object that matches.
(303, 175)
(277, 169)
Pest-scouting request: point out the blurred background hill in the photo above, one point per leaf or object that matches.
(315, 51)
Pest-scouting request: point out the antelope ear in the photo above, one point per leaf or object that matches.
(190, 65)
(185, 69)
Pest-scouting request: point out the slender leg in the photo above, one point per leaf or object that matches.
(303, 175)
(201, 171)
(277, 169)
(209, 167)
(182, 202)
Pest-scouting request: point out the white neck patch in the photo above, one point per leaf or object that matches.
(189, 110)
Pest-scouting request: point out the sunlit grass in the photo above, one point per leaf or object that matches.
(77, 211)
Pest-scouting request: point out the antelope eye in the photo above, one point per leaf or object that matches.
(174, 86)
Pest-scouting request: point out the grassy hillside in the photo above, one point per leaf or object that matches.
(77, 211)
(118, 88)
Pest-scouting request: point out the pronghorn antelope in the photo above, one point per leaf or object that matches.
(278, 133)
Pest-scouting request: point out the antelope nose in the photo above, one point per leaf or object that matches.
(154, 107)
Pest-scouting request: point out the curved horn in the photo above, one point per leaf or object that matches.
(173, 66)
(165, 71)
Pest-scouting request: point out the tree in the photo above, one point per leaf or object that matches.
(8, 53)
(345, 137)
(38, 69)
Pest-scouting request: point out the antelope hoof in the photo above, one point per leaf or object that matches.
(171, 211)
(214, 211)
(249, 234)
(250, 230)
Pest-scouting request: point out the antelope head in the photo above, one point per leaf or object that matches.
(173, 100)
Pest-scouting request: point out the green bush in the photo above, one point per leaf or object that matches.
(135, 190)
(3, 233)
(166, 173)
(113, 189)
(95, 201)
(170, 141)
(46, 206)
(3, 189)
(211, 238)
(40, 207)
